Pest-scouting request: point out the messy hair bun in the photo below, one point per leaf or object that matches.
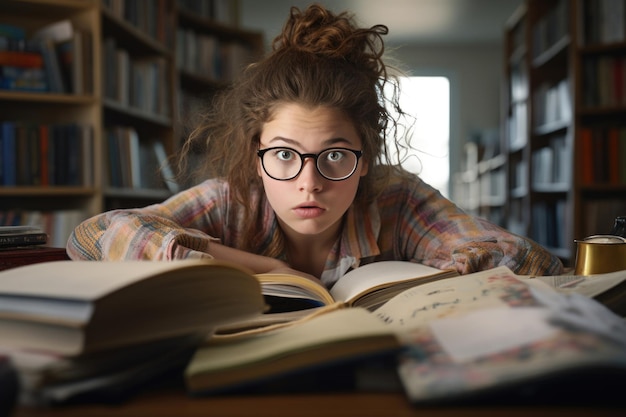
(320, 32)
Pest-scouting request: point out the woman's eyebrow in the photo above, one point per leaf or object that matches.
(329, 142)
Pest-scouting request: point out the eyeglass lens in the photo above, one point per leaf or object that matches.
(285, 163)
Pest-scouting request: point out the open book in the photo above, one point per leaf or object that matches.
(368, 286)
(292, 297)
(74, 307)
(459, 337)
(337, 337)
(608, 288)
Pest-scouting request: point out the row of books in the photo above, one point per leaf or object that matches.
(57, 224)
(516, 219)
(517, 126)
(548, 223)
(604, 21)
(598, 215)
(136, 81)
(604, 81)
(222, 11)
(602, 156)
(148, 16)
(519, 177)
(552, 104)
(210, 57)
(518, 82)
(137, 162)
(57, 59)
(551, 164)
(493, 187)
(550, 28)
(46, 155)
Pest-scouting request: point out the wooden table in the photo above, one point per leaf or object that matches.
(12, 258)
(177, 404)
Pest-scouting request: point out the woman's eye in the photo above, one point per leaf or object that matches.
(284, 155)
(335, 156)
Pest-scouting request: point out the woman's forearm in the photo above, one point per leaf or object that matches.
(256, 263)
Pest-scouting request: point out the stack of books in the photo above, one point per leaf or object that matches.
(80, 330)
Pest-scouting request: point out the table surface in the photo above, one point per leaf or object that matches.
(168, 402)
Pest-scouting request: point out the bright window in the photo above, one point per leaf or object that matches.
(427, 99)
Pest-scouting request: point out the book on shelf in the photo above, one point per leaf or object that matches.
(76, 307)
(20, 236)
(39, 154)
(21, 61)
(164, 167)
(9, 31)
(471, 336)
(135, 161)
(74, 56)
(603, 147)
(48, 38)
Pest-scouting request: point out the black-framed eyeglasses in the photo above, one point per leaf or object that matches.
(335, 164)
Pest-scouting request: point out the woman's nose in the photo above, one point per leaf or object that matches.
(310, 179)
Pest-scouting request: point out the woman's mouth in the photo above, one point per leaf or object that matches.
(306, 211)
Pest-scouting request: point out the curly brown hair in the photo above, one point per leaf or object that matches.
(319, 59)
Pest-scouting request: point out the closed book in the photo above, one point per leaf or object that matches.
(76, 307)
(17, 236)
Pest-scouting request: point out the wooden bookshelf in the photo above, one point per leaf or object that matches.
(564, 110)
(480, 185)
(124, 100)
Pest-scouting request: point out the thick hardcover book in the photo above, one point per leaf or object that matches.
(17, 236)
(76, 307)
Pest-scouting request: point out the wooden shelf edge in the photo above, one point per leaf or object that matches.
(38, 191)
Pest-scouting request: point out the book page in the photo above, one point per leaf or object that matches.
(88, 280)
(450, 297)
(488, 331)
(379, 274)
(322, 339)
(293, 286)
(587, 285)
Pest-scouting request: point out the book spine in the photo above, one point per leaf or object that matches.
(23, 240)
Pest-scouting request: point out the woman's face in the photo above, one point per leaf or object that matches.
(309, 204)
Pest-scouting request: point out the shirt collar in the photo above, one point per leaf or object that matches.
(359, 240)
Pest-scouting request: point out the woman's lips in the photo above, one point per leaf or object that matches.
(308, 211)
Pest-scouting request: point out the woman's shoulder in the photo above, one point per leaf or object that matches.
(405, 189)
(402, 182)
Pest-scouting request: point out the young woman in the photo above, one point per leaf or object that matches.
(300, 176)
